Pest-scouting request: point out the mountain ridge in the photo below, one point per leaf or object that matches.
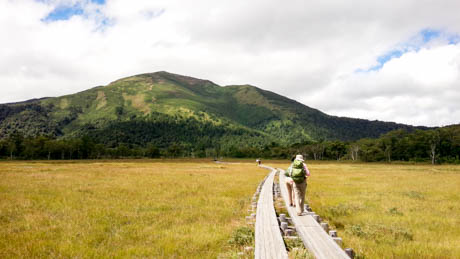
(163, 103)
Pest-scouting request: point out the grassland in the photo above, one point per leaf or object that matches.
(190, 208)
(389, 210)
(115, 209)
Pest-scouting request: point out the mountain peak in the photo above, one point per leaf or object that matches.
(165, 75)
(168, 98)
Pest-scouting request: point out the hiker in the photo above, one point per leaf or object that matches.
(258, 161)
(290, 185)
(299, 172)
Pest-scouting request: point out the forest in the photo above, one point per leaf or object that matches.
(436, 146)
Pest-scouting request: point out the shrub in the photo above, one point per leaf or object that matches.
(242, 236)
(379, 232)
(395, 211)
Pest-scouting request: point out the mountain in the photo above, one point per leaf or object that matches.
(164, 108)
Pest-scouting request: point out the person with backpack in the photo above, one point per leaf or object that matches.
(299, 172)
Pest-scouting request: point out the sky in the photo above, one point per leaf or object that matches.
(378, 60)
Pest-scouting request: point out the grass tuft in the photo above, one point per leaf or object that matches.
(242, 236)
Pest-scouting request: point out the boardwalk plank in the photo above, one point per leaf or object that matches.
(312, 234)
(268, 240)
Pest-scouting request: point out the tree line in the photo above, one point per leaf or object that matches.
(440, 145)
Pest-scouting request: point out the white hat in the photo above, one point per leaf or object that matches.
(299, 157)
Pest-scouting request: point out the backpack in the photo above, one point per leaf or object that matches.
(298, 172)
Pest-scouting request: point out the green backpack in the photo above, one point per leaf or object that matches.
(298, 172)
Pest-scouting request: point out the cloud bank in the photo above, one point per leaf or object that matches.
(367, 59)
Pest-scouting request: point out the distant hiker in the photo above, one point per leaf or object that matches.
(258, 161)
(299, 172)
(290, 184)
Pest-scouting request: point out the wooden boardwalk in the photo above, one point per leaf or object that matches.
(268, 239)
(310, 231)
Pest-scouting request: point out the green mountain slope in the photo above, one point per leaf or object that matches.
(164, 108)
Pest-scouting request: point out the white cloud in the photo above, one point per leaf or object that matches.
(418, 88)
(308, 51)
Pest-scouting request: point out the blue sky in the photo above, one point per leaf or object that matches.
(423, 38)
(65, 12)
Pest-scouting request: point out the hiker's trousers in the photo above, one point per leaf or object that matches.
(299, 190)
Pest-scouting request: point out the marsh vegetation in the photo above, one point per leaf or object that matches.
(161, 209)
(194, 208)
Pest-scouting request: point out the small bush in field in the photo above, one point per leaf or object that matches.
(395, 211)
(293, 243)
(242, 236)
(379, 232)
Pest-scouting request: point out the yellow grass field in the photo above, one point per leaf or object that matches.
(190, 208)
(117, 209)
(389, 210)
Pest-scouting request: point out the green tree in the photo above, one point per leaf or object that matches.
(15, 145)
(152, 151)
(337, 149)
(174, 150)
